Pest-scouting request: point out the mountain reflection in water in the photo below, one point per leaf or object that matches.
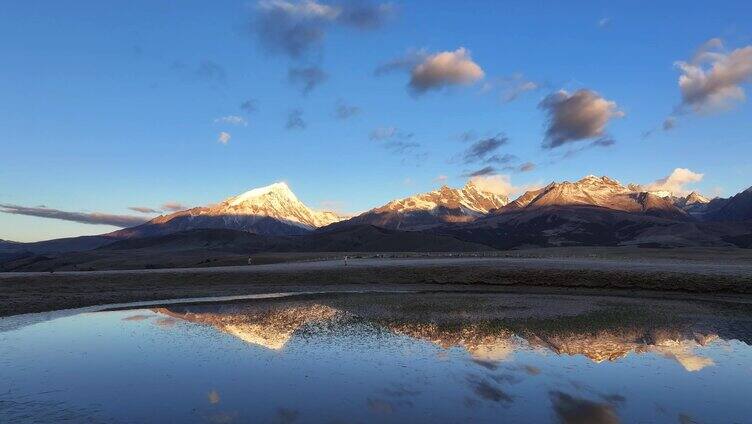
(422, 357)
(488, 332)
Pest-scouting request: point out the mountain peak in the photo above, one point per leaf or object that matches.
(280, 189)
(695, 197)
(592, 179)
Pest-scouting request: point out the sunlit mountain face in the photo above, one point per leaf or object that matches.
(487, 329)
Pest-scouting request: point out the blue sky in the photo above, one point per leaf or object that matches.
(103, 108)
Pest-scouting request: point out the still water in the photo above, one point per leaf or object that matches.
(429, 357)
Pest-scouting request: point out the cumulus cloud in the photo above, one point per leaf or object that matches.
(173, 206)
(577, 116)
(295, 28)
(436, 71)
(307, 78)
(248, 106)
(344, 111)
(143, 209)
(232, 120)
(295, 120)
(712, 79)
(444, 69)
(224, 137)
(499, 184)
(96, 218)
(676, 182)
(482, 149)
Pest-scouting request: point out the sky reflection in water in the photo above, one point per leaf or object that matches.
(376, 358)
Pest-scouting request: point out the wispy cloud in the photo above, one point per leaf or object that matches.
(482, 149)
(206, 70)
(512, 87)
(344, 111)
(501, 159)
(248, 106)
(174, 206)
(232, 120)
(486, 170)
(96, 218)
(526, 167)
(400, 143)
(295, 120)
(600, 142)
(143, 209)
(668, 124)
(307, 78)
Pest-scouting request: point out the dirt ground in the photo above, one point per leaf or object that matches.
(703, 274)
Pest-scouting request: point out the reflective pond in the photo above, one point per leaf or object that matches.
(424, 357)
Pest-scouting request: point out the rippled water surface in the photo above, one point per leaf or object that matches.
(386, 358)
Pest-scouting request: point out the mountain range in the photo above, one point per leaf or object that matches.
(595, 211)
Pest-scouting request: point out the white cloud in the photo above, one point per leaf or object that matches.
(232, 120)
(712, 80)
(224, 137)
(676, 182)
(501, 184)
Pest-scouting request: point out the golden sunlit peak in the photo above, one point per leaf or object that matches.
(280, 187)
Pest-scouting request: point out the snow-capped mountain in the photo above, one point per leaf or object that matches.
(445, 205)
(602, 191)
(270, 210)
(274, 201)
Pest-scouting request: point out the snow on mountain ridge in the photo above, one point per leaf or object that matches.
(274, 201)
(470, 199)
(602, 191)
